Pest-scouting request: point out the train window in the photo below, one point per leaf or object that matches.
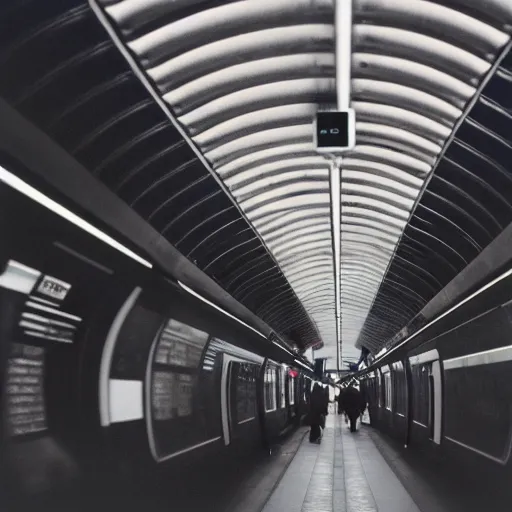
(180, 345)
(245, 391)
(399, 398)
(25, 406)
(130, 358)
(172, 395)
(421, 402)
(291, 390)
(176, 414)
(282, 386)
(388, 391)
(270, 388)
(379, 388)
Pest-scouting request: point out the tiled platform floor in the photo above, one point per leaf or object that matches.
(345, 473)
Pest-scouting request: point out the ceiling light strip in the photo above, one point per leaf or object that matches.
(302, 364)
(200, 297)
(24, 188)
(385, 351)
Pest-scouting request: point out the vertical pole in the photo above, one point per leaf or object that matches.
(343, 37)
(343, 28)
(335, 185)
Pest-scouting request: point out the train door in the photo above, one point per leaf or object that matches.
(238, 400)
(426, 411)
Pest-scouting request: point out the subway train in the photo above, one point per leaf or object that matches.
(446, 392)
(117, 376)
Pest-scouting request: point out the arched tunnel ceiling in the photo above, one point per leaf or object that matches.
(61, 71)
(244, 79)
(466, 205)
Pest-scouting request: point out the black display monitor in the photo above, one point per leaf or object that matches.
(335, 131)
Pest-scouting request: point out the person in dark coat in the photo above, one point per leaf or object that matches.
(338, 399)
(340, 404)
(352, 403)
(326, 400)
(317, 412)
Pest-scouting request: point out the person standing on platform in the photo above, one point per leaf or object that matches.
(351, 402)
(317, 413)
(340, 404)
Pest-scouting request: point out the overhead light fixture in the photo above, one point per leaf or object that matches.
(27, 190)
(206, 301)
(302, 364)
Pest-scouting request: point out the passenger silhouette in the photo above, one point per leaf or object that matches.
(352, 403)
(317, 413)
(340, 404)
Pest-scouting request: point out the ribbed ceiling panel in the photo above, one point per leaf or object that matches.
(246, 78)
(62, 71)
(415, 66)
(465, 206)
(248, 106)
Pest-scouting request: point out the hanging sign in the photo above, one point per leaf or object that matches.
(335, 131)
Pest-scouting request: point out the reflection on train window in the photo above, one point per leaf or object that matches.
(176, 409)
(282, 387)
(291, 390)
(388, 391)
(130, 356)
(24, 390)
(421, 401)
(372, 389)
(245, 391)
(379, 385)
(172, 395)
(180, 345)
(270, 388)
(399, 390)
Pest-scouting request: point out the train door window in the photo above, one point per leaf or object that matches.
(375, 389)
(270, 388)
(399, 397)
(430, 403)
(427, 393)
(245, 388)
(282, 387)
(291, 390)
(388, 391)
(421, 403)
(380, 389)
(174, 423)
